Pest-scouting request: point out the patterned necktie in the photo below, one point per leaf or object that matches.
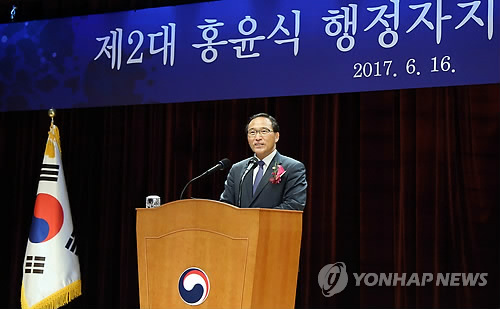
(259, 175)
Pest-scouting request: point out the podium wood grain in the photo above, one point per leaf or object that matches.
(250, 256)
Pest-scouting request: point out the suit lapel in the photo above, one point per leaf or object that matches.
(265, 179)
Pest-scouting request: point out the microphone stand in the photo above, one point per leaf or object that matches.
(251, 165)
(184, 189)
(223, 164)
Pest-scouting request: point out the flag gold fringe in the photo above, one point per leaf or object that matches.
(57, 299)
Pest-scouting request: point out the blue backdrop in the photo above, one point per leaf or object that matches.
(241, 48)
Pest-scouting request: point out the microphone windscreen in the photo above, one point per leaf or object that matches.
(226, 163)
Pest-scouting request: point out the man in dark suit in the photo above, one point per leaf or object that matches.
(268, 179)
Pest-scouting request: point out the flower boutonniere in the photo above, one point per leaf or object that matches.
(278, 171)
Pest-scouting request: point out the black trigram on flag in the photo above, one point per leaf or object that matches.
(34, 264)
(71, 244)
(49, 172)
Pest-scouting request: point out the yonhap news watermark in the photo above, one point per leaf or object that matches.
(333, 279)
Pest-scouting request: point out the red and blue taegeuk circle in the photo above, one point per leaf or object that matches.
(194, 286)
(48, 218)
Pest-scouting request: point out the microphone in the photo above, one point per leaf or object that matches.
(251, 165)
(221, 165)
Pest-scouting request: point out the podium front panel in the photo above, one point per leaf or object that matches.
(195, 248)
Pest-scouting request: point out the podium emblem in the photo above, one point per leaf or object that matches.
(194, 286)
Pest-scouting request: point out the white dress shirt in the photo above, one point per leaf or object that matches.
(267, 160)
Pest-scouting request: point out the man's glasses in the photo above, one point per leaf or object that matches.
(263, 132)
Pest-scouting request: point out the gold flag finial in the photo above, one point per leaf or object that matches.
(53, 136)
(52, 114)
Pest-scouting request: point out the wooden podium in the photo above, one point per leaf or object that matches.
(250, 256)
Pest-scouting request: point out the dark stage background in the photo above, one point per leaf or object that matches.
(399, 182)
